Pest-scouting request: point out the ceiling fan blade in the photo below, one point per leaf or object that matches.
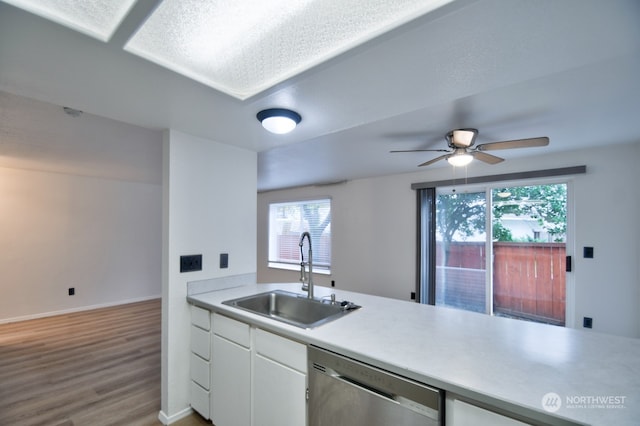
(421, 150)
(427, 163)
(519, 143)
(487, 158)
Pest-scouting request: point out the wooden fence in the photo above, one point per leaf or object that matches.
(528, 279)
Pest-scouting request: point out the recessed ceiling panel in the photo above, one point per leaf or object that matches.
(244, 47)
(96, 18)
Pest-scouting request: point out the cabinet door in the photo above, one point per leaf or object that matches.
(460, 413)
(230, 383)
(279, 394)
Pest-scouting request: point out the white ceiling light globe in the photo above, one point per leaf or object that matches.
(459, 159)
(279, 125)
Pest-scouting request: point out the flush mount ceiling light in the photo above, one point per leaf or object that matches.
(97, 18)
(279, 120)
(459, 158)
(245, 47)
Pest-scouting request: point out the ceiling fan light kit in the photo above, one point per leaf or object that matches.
(461, 151)
(460, 158)
(279, 120)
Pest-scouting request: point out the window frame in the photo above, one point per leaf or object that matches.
(319, 269)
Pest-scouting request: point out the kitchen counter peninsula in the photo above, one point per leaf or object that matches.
(496, 362)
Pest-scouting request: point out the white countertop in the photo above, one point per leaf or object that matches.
(508, 363)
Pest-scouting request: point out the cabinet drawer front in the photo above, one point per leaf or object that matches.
(200, 317)
(201, 342)
(236, 331)
(200, 371)
(200, 400)
(285, 351)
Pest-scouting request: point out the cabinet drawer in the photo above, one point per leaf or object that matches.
(200, 371)
(285, 351)
(200, 342)
(200, 317)
(200, 400)
(235, 331)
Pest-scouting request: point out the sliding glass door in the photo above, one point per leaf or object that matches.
(460, 250)
(500, 251)
(529, 252)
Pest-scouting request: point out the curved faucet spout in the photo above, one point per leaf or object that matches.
(302, 236)
(306, 286)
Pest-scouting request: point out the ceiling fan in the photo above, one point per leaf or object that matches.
(461, 150)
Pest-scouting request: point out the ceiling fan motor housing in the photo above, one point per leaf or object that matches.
(462, 138)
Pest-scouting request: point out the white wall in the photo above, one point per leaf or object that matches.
(100, 236)
(374, 232)
(209, 207)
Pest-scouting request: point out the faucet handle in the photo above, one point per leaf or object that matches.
(303, 277)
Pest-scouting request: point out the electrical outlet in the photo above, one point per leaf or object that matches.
(587, 322)
(191, 263)
(72, 291)
(413, 295)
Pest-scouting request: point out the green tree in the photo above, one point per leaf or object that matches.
(462, 213)
(545, 203)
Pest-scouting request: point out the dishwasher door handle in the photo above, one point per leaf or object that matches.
(397, 399)
(364, 386)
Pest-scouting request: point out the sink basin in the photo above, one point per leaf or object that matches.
(291, 308)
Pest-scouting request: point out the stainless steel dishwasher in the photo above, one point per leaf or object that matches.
(343, 391)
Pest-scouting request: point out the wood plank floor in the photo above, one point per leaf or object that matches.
(99, 367)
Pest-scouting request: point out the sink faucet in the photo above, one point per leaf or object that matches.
(308, 285)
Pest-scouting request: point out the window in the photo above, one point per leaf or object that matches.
(287, 221)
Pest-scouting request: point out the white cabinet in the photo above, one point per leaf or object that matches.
(279, 381)
(245, 376)
(200, 363)
(230, 372)
(460, 413)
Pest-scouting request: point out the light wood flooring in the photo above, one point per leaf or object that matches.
(99, 367)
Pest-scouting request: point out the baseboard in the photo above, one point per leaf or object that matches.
(77, 309)
(167, 420)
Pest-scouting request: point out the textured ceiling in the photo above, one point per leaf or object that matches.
(97, 18)
(245, 47)
(513, 69)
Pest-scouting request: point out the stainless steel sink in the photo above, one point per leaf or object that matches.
(292, 308)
